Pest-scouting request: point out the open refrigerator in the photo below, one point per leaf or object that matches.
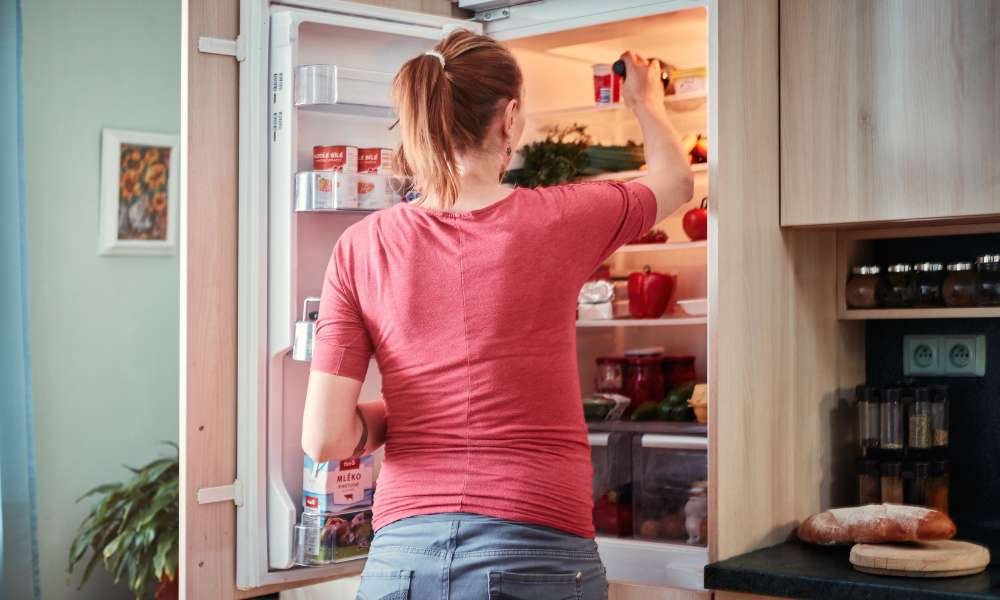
(284, 248)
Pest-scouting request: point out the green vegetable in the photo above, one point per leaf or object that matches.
(596, 409)
(681, 413)
(647, 411)
(680, 394)
(559, 158)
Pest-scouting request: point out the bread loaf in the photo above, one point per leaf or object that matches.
(876, 524)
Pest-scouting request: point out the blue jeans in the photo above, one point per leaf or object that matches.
(461, 556)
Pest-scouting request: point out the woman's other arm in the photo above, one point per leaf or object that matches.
(331, 425)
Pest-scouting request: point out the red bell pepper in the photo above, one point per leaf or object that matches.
(650, 294)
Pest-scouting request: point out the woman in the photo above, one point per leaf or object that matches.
(467, 300)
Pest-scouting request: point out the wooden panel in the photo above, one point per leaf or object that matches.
(209, 131)
(630, 591)
(889, 110)
(778, 355)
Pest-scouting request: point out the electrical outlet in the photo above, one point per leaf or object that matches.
(921, 355)
(963, 355)
(950, 355)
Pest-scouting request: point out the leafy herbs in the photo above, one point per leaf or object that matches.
(559, 158)
(133, 530)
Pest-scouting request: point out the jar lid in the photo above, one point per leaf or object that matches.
(899, 268)
(868, 466)
(890, 394)
(922, 394)
(988, 258)
(866, 393)
(960, 266)
(940, 391)
(891, 469)
(928, 266)
(650, 351)
(866, 270)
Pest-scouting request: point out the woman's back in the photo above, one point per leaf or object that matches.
(471, 318)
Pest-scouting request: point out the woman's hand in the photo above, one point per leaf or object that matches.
(643, 85)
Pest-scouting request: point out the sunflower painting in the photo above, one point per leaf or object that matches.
(141, 201)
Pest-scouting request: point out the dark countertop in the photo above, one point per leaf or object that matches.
(797, 570)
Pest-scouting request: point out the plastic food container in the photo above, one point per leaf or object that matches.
(324, 538)
(611, 454)
(690, 81)
(333, 84)
(670, 488)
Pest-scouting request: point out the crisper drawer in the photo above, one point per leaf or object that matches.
(329, 85)
(670, 488)
(611, 454)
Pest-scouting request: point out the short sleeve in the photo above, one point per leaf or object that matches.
(610, 214)
(342, 345)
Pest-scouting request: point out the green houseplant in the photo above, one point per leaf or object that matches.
(133, 529)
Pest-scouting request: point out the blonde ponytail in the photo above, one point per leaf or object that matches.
(446, 101)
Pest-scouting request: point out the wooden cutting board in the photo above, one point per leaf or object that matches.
(945, 558)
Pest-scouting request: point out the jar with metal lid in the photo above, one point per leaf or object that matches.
(988, 283)
(868, 419)
(959, 286)
(939, 417)
(916, 478)
(891, 483)
(927, 280)
(868, 482)
(643, 381)
(937, 485)
(609, 377)
(897, 287)
(891, 422)
(919, 421)
(861, 287)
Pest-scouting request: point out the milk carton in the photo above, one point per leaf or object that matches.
(337, 486)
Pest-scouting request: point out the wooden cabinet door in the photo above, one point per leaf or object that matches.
(890, 110)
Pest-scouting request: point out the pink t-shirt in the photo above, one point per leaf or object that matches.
(471, 317)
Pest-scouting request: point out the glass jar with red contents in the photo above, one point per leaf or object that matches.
(610, 376)
(643, 381)
(678, 370)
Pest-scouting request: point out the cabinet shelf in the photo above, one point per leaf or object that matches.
(634, 174)
(669, 246)
(674, 102)
(977, 312)
(667, 322)
(666, 427)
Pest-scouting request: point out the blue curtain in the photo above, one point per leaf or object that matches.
(18, 542)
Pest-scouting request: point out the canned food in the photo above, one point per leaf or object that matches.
(323, 190)
(375, 160)
(343, 159)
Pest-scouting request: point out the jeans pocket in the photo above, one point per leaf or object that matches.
(385, 585)
(507, 585)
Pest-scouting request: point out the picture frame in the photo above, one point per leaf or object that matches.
(139, 193)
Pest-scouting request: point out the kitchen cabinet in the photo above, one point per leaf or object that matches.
(889, 110)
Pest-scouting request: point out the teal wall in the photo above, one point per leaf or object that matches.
(104, 330)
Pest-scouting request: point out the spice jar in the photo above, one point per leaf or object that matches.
(927, 280)
(609, 378)
(959, 286)
(868, 419)
(937, 485)
(868, 482)
(896, 290)
(939, 417)
(919, 421)
(988, 281)
(891, 422)
(916, 478)
(891, 484)
(862, 286)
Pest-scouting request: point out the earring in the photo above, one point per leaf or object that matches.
(508, 150)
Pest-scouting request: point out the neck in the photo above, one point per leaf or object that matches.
(480, 183)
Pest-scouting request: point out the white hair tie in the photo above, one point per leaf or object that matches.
(436, 55)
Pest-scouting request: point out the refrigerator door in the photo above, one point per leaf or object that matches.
(282, 252)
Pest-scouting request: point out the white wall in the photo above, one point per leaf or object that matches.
(104, 330)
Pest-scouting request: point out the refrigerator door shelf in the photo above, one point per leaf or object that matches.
(331, 191)
(329, 87)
